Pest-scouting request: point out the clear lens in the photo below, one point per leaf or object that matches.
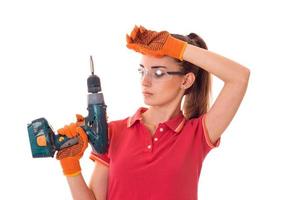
(154, 73)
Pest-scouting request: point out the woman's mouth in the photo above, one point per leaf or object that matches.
(147, 94)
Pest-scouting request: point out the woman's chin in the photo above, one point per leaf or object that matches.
(151, 102)
(148, 102)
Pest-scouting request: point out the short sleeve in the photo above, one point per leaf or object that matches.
(203, 136)
(206, 136)
(103, 158)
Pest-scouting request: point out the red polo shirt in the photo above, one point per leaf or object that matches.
(165, 166)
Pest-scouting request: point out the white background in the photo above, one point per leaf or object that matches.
(44, 63)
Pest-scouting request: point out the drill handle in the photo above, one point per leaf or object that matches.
(62, 141)
(96, 127)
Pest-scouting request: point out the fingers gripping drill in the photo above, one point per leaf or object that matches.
(44, 142)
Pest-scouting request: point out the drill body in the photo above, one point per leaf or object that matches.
(44, 142)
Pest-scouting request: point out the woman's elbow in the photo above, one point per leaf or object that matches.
(245, 76)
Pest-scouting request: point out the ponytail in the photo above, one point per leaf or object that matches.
(197, 97)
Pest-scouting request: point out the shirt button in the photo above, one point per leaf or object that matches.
(161, 129)
(149, 146)
(155, 139)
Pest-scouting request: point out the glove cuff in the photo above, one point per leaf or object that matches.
(175, 47)
(71, 167)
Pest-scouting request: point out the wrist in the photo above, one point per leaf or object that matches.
(175, 47)
(70, 166)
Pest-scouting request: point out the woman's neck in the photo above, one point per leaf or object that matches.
(155, 115)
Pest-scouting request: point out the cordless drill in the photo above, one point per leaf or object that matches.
(44, 142)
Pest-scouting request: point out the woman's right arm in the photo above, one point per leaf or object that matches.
(79, 189)
(97, 189)
(99, 180)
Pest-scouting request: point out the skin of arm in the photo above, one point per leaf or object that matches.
(235, 77)
(79, 189)
(97, 188)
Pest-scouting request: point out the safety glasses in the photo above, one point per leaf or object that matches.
(158, 73)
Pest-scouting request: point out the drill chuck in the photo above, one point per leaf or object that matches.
(93, 83)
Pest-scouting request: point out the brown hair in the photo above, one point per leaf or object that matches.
(197, 97)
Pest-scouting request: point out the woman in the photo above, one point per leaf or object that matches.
(158, 152)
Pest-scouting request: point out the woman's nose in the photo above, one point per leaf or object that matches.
(146, 80)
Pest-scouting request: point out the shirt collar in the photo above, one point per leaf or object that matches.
(175, 123)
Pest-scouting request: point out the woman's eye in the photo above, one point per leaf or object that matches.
(159, 73)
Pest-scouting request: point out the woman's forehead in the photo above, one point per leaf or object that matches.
(168, 62)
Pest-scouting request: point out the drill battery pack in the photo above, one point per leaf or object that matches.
(43, 141)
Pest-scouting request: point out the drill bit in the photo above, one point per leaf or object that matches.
(92, 65)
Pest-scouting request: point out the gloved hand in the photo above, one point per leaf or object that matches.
(69, 157)
(155, 43)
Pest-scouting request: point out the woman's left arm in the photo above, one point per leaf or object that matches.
(235, 77)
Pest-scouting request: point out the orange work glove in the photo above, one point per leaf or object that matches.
(155, 43)
(69, 157)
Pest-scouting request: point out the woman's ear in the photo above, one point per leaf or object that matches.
(188, 80)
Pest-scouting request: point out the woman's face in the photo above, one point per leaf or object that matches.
(158, 87)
